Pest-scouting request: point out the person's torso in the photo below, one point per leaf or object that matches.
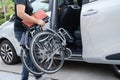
(28, 10)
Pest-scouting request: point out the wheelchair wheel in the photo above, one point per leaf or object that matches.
(28, 64)
(46, 52)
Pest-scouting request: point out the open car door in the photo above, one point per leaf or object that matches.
(100, 30)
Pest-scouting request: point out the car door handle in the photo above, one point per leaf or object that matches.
(90, 12)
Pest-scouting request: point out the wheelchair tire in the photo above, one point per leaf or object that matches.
(46, 52)
(27, 64)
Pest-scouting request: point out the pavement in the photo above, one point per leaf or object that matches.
(11, 72)
(70, 71)
(11, 76)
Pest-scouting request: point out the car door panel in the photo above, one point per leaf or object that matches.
(100, 30)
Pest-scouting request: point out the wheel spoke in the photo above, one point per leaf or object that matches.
(6, 59)
(10, 56)
(8, 49)
(53, 54)
(3, 53)
(2, 49)
(6, 46)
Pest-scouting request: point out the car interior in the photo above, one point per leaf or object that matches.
(69, 19)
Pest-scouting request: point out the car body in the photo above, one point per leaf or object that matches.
(97, 35)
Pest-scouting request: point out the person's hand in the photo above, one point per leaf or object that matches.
(41, 23)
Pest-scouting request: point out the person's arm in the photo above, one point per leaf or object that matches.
(24, 16)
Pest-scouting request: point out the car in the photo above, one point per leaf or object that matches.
(94, 25)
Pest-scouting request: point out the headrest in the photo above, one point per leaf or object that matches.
(68, 2)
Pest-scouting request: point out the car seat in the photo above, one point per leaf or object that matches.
(69, 16)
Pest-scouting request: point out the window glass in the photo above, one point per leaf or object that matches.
(40, 5)
(75, 1)
(85, 1)
(92, 0)
(60, 2)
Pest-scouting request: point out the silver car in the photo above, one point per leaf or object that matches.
(94, 25)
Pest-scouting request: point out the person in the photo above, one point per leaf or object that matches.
(23, 11)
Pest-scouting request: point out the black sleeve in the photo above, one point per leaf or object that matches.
(20, 2)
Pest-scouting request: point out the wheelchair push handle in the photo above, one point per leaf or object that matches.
(36, 26)
(46, 19)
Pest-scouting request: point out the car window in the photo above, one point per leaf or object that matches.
(40, 5)
(87, 1)
(60, 2)
(92, 0)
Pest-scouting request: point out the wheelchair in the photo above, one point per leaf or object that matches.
(47, 49)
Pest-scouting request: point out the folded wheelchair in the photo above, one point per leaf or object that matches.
(47, 49)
